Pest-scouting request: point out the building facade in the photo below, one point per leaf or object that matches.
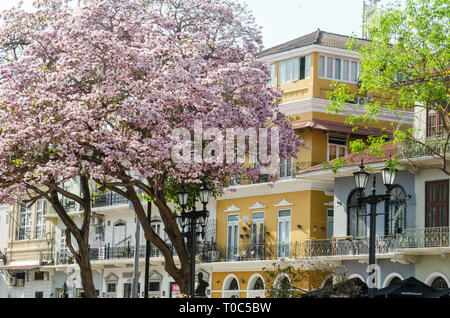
(40, 265)
(258, 223)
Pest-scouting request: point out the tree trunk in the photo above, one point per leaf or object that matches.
(87, 279)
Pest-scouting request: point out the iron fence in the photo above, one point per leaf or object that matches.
(424, 237)
(108, 199)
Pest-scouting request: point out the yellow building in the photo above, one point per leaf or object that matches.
(259, 223)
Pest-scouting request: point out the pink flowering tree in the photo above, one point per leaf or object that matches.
(119, 91)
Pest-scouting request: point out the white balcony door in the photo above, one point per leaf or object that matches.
(119, 233)
(232, 236)
(284, 233)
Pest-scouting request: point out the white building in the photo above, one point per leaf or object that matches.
(40, 263)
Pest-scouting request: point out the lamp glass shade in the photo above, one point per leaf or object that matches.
(204, 194)
(388, 175)
(361, 178)
(182, 196)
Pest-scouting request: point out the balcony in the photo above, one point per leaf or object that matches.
(431, 147)
(431, 237)
(286, 171)
(296, 250)
(108, 199)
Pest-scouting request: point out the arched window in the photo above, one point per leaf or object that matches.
(439, 283)
(259, 284)
(396, 211)
(356, 216)
(233, 285)
(394, 281)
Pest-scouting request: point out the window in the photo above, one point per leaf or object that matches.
(286, 168)
(272, 74)
(294, 69)
(305, 66)
(345, 70)
(436, 203)
(233, 285)
(329, 67)
(322, 66)
(111, 288)
(435, 126)
(232, 235)
(38, 294)
(337, 146)
(354, 72)
(39, 228)
(38, 275)
(330, 223)
(24, 230)
(257, 235)
(153, 286)
(396, 207)
(284, 233)
(288, 70)
(259, 284)
(338, 69)
(439, 283)
(356, 214)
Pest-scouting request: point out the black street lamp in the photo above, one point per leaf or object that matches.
(197, 223)
(361, 178)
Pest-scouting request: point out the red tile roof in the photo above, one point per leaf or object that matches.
(336, 127)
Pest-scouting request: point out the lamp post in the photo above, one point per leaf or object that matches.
(193, 219)
(361, 178)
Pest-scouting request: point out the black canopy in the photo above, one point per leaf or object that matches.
(411, 288)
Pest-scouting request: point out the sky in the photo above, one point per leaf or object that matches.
(285, 20)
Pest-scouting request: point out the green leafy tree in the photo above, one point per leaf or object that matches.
(406, 66)
(292, 279)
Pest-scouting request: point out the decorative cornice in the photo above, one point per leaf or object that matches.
(282, 186)
(257, 205)
(284, 202)
(232, 208)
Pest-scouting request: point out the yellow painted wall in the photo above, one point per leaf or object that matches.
(308, 206)
(309, 280)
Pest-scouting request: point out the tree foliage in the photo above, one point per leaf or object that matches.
(100, 88)
(406, 64)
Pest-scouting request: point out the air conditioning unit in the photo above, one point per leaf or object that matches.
(20, 282)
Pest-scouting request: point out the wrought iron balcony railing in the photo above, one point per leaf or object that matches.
(296, 250)
(432, 146)
(209, 252)
(108, 199)
(424, 237)
(286, 171)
